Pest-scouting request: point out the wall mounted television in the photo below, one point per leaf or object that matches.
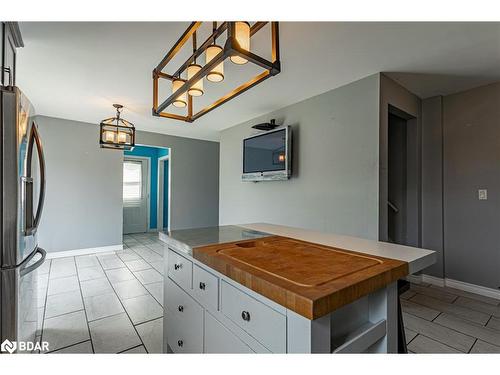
(268, 156)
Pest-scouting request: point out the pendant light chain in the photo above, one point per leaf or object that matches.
(194, 46)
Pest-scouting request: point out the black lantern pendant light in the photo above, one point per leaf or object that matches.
(117, 133)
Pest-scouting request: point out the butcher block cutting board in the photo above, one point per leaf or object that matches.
(310, 279)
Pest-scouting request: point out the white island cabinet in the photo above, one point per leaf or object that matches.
(207, 312)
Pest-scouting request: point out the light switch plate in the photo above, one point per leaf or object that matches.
(482, 194)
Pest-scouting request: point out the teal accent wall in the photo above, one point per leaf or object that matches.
(153, 154)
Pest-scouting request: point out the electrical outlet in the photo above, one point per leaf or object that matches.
(482, 194)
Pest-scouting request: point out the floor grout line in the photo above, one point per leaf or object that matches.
(69, 346)
(131, 321)
(45, 302)
(137, 346)
(442, 343)
(456, 330)
(100, 265)
(84, 309)
(437, 316)
(472, 345)
(408, 343)
(147, 321)
(450, 313)
(466, 334)
(486, 324)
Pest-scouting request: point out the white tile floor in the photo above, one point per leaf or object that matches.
(112, 303)
(106, 302)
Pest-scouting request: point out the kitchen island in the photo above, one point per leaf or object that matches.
(263, 288)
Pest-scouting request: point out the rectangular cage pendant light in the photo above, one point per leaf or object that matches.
(237, 49)
(117, 133)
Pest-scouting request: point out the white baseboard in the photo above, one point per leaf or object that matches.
(416, 279)
(90, 250)
(433, 280)
(487, 292)
(472, 288)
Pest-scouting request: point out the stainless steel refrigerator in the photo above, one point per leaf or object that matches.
(22, 172)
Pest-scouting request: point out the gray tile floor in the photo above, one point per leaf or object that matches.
(112, 303)
(105, 302)
(446, 320)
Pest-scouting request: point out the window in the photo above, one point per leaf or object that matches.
(132, 182)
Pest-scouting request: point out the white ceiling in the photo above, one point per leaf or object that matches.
(77, 70)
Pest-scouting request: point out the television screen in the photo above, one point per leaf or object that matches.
(265, 153)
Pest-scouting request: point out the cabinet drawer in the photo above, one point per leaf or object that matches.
(179, 303)
(184, 336)
(180, 269)
(206, 288)
(261, 321)
(184, 321)
(219, 339)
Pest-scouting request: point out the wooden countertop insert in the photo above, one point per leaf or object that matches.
(300, 263)
(308, 278)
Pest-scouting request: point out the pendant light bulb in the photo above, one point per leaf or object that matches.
(217, 73)
(197, 88)
(181, 100)
(242, 35)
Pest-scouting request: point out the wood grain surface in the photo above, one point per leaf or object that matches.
(310, 279)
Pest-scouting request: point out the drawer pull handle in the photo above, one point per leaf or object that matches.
(245, 315)
(202, 286)
(180, 343)
(180, 308)
(177, 266)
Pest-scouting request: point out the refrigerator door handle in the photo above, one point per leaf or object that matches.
(27, 269)
(32, 220)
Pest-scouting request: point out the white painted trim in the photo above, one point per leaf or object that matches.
(455, 284)
(169, 189)
(433, 280)
(146, 159)
(161, 188)
(159, 197)
(481, 290)
(416, 279)
(89, 250)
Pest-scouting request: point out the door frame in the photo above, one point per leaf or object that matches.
(161, 188)
(148, 183)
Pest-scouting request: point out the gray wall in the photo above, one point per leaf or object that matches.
(83, 207)
(461, 154)
(471, 162)
(334, 187)
(432, 182)
(194, 179)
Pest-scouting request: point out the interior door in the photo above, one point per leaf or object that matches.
(135, 196)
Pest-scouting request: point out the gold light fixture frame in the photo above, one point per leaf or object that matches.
(231, 48)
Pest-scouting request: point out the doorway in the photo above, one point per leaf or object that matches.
(135, 194)
(146, 194)
(403, 179)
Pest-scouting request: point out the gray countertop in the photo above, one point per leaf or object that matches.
(186, 239)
